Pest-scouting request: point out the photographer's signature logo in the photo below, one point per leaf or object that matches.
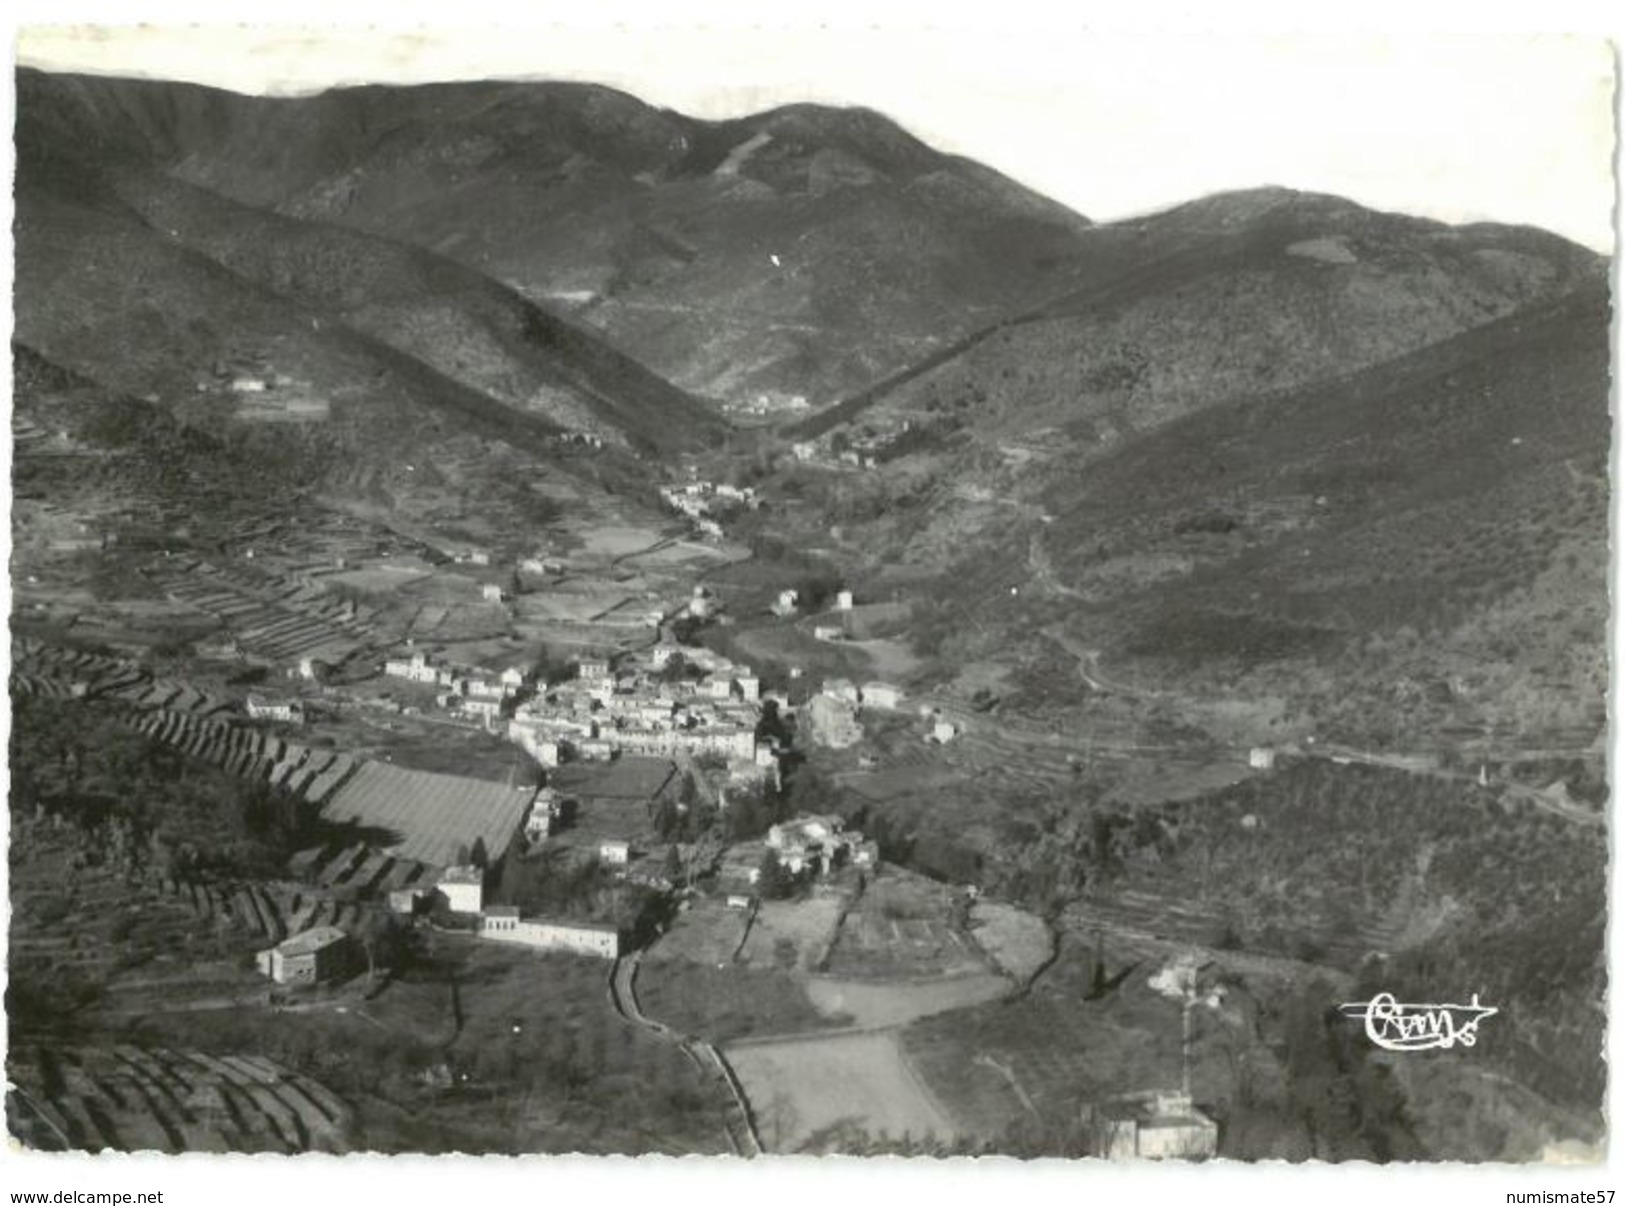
(1395, 1026)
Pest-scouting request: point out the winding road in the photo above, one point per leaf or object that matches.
(737, 1119)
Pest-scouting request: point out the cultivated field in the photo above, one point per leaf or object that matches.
(275, 617)
(902, 928)
(824, 1094)
(430, 816)
(1018, 943)
(136, 1099)
(792, 934)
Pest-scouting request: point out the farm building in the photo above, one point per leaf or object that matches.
(503, 923)
(464, 888)
(615, 854)
(1261, 757)
(544, 810)
(288, 711)
(882, 695)
(1152, 1126)
(828, 632)
(313, 957)
(843, 600)
(491, 592)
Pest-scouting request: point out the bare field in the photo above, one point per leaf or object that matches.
(874, 1004)
(826, 1093)
(617, 540)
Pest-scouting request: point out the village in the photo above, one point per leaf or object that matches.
(593, 742)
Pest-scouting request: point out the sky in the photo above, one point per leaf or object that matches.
(1458, 126)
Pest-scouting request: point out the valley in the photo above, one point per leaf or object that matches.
(541, 624)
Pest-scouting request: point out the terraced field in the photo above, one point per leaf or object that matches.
(62, 672)
(1140, 916)
(280, 618)
(134, 1099)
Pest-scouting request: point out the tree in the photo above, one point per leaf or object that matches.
(380, 938)
(774, 881)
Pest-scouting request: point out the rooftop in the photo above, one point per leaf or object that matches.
(311, 941)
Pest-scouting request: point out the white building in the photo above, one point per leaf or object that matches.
(943, 731)
(882, 695)
(786, 603)
(1261, 757)
(1153, 1126)
(287, 711)
(615, 854)
(486, 711)
(843, 600)
(491, 592)
(750, 687)
(416, 668)
(503, 923)
(463, 888)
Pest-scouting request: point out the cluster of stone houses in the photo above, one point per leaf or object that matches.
(809, 844)
(695, 499)
(601, 713)
(833, 712)
(479, 695)
(820, 844)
